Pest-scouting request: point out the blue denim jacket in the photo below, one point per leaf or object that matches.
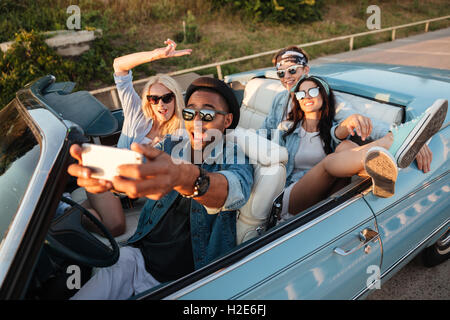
(273, 129)
(214, 234)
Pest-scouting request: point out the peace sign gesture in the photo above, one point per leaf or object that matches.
(169, 51)
(125, 63)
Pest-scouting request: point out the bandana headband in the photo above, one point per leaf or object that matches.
(324, 84)
(292, 56)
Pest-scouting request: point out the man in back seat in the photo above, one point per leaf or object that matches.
(292, 66)
(190, 217)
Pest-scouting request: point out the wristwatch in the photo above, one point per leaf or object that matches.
(201, 185)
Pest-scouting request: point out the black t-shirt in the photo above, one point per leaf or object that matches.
(167, 248)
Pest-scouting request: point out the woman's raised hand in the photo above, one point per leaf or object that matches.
(169, 51)
(123, 64)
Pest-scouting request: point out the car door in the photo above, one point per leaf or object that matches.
(418, 211)
(39, 170)
(319, 255)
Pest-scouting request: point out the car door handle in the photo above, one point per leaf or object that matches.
(365, 236)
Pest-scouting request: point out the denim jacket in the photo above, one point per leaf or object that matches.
(213, 231)
(273, 129)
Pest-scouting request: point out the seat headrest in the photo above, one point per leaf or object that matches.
(257, 148)
(260, 93)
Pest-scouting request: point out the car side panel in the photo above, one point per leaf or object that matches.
(302, 264)
(420, 206)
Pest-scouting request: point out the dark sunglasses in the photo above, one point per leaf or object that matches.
(165, 98)
(205, 114)
(291, 70)
(312, 92)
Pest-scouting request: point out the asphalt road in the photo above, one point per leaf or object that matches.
(416, 282)
(431, 50)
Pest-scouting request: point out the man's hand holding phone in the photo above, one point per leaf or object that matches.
(153, 179)
(97, 165)
(83, 174)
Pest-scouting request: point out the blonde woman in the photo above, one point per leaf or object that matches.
(158, 111)
(147, 119)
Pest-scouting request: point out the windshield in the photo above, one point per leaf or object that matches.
(19, 155)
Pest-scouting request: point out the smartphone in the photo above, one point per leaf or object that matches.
(104, 160)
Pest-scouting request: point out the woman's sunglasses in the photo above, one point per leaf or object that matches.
(291, 70)
(165, 98)
(312, 92)
(205, 114)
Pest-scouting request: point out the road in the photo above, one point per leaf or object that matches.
(416, 282)
(431, 50)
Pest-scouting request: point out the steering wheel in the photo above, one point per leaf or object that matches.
(68, 238)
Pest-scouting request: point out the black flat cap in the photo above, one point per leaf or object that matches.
(221, 88)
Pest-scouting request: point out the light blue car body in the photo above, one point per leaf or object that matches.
(319, 254)
(302, 263)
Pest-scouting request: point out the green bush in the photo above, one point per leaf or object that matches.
(30, 58)
(275, 10)
(29, 15)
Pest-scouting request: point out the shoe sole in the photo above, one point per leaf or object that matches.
(429, 126)
(381, 167)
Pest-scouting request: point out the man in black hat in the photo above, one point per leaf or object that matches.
(190, 217)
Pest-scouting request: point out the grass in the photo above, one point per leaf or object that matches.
(132, 25)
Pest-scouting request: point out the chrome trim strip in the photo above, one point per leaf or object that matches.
(53, 133)
(444, 242)
(260, 251)
(412, 193)
(438, 229)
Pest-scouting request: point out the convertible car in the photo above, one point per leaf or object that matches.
(341, 248)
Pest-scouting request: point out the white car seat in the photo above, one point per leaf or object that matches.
(269, 177)
(257, 102)
(268, 158)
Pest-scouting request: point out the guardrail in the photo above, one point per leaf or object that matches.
(218, 65)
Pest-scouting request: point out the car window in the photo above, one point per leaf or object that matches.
(19, 155)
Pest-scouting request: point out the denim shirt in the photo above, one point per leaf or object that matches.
(344, 109)
(273, 129)
(213, 231)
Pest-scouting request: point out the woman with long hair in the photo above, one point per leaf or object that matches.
(147, 119)
(315, 161)
(158, 111)
(291, 65)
